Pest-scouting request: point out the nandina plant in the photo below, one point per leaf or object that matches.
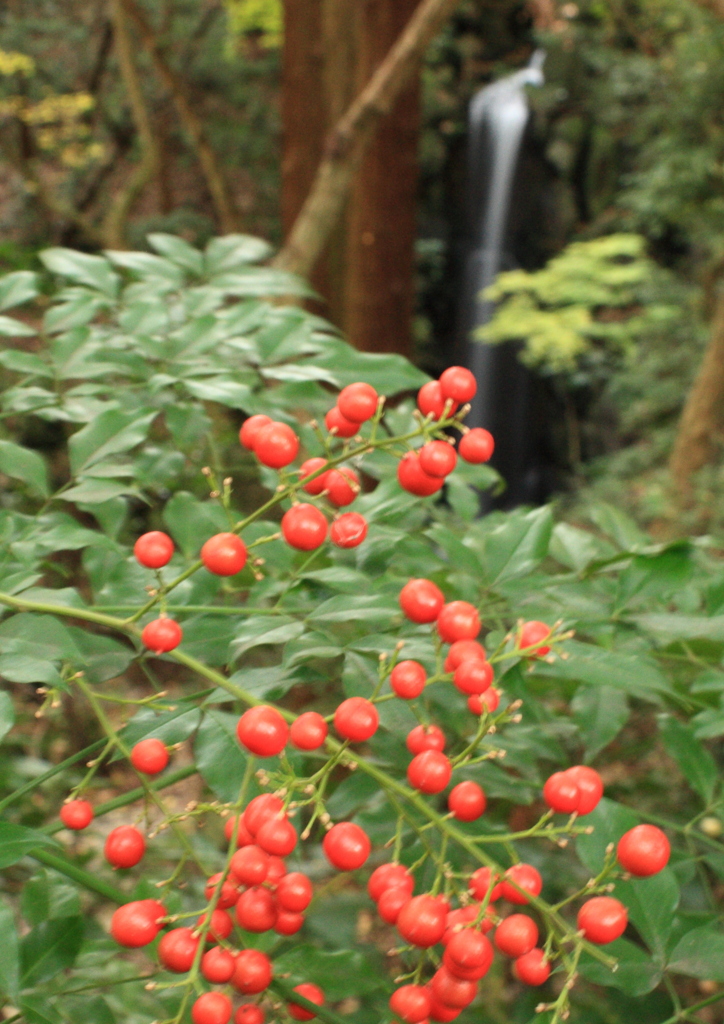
(387, 706)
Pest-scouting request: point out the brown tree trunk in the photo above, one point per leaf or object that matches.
(701, 429)
(380, 292)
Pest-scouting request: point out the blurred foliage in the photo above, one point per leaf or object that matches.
(264, 18)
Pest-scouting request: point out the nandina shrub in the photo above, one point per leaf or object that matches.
(563, 683)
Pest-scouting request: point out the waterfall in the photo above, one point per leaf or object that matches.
(498, 116)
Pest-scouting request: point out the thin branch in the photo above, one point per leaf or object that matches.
(348, 140)
(218, 188)
(114, 223)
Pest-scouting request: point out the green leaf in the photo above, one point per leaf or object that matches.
(341, 974)
(218, 754)
(515, 548)
(17, 668)
(17, 840)
(109, 434)
(24, 362)
(47, 895)
(178, 251)
(636, 974)
(576, 548)
(367, 608)
(690, 754)
(618, 526)
(667, 628)
(191, 521)
(207, 637)
(26, 465)
(38, 1010)
(700, 954)
(50, 947)
(635, 674)
(262, 282)
(101, 657)
(145, 265)
(609, 821)
(17, 288)
(96, 491)
(388, 374)
(7, 716)
(651, 904)
(12, 328)
(93, 271)
(601, 712)
(233, 252)
(265, 629)
(9, 954)
(170, 726)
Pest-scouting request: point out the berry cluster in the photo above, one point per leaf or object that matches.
(256, 892)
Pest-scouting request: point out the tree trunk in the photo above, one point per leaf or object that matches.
(380, 292)
(701, 428)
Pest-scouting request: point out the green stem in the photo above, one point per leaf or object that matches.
(55, 770)
(286, 991)
(85, 878)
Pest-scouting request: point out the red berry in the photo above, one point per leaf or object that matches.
(643, 850)
(260, 809)
(467, 801)
(516, 935)
(430, 400)
(561, 793)
(413, 478)
(356, 719)
(249, 1013)
(125, 846)
(438, 458)
(468, 951)
(154, 549)
(590, 787)
(349, 530)
(162, 635)
(429, 771)
(464, 650)
(277, 836)
(473, 676)
(480, 883)
(458, 383)
(602, 919)
(451, 990)
(224, 554)
(389, 876)
(294, 892)
(422, 921)
(137, 923)
(529, 639)
(228, 895)
(408, 679)
(256, 910)
(211, 1008)
(458, 620)
(277, 871)
(276, 445)
(177, 950)
(250, 865)
(76, 814)
(311, 992)
(309, 731)
(421, 601)
(342, 486)
(484, 702)
(253, 972)
(318, 484)
(250, 430)
(263, 731)
(217, 965)
(525, 877)
(149, 756)
(220, 926)
(392, 901)
(532, 968)
(440, 1012)
(425, 738)
(243, 835)
(411, 1003)
(476, 446)
(335, 421)
(467, 915)
(304, 527)
(346, 846)
(288, 922)
(357, 402)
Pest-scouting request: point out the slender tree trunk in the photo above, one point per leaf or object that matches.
(700, 436)
(380, 292)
